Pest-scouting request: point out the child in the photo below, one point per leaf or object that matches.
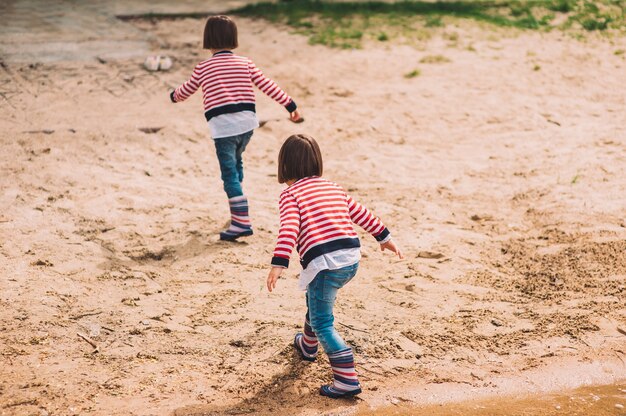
(229, 107)
(316, 216)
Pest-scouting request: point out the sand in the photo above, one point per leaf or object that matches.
(501, 172)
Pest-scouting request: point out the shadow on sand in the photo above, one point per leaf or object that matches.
(283, 394)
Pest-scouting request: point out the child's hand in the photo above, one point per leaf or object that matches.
(391, 246)
(296, 117)
(273, 277)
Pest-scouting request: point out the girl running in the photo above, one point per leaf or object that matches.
(316, 216)
(229, 107)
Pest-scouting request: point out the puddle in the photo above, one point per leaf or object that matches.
(588, 401)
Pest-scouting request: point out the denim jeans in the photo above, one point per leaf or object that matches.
(320, 298)
(229, 151)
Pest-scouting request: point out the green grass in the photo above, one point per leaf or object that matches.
(433, 21)
(413, 74)
(562, 6)
(348, 24)
(434, 59)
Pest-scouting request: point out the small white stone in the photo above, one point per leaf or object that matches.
(619, 406)
(557, 407)
(151, 63)
(94, 330)
(165, 63)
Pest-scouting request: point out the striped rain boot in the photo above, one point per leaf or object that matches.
(306, 343)
(239, 219)
(345, 381)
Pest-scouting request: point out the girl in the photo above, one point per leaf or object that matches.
(316, 216)
(229, 107)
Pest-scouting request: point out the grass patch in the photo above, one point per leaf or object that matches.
(561, 6)
(347, 24)
(434, 59)
(433, 21)
(412, 74)
(345, 38)
(453, 36)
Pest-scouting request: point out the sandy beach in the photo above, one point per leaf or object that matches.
(500, 169)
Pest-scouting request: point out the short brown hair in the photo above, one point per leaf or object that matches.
(298, 158)
(220, 32)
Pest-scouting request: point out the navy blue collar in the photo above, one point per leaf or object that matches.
(221, 52)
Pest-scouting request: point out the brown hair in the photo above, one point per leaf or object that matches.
(220, 32)
(298, 158)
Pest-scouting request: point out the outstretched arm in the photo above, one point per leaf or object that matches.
(287, 237)
(289, 230)
(186, 89)
(368, 221)
(373, 225)
(270, 88)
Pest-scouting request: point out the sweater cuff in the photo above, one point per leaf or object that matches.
(172, 96)
(280, 262)
(383, 236)
(291, 107)
(388, 238)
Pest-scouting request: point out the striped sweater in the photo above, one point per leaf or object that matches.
(226, 80)
(316, 216)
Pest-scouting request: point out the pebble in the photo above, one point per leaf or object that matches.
(157, 63)
(619, 406)
(165, 63)
(557, 407)
(94, 330)
(151, 63)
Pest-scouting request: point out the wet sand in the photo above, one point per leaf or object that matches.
(593, 401)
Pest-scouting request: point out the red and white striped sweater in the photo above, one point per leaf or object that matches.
(226, 80)
(316, 216)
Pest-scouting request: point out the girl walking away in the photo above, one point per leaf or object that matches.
(229, 107)
(316, 216)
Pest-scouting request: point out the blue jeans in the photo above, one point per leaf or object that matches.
(229, 151)
(320, 299)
